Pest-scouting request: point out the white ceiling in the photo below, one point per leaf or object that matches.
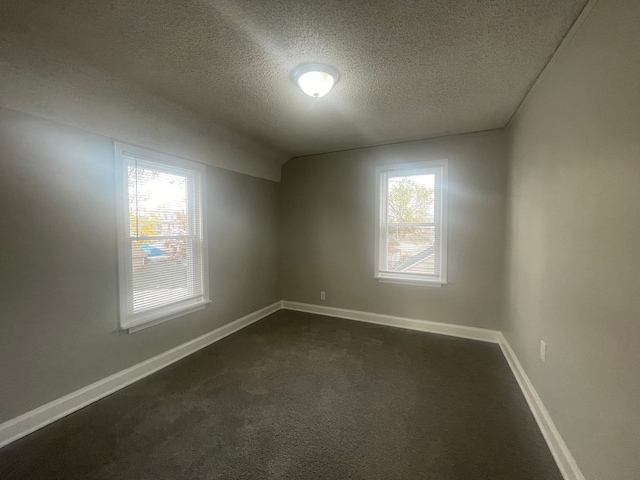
(410, 69)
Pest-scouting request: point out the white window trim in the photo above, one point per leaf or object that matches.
(409, 278)
(168, 312)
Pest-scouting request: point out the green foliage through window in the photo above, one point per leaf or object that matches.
(409, 201)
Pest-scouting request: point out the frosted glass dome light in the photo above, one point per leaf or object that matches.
(315, 80)
(316, 84)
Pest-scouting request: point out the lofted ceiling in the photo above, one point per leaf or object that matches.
(410, 69)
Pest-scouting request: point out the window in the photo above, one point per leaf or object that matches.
(411, 232)
(162, 249)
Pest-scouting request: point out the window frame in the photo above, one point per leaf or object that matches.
(383, 173)
(163, 313)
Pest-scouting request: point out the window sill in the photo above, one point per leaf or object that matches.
(164, 316)
(412, 281)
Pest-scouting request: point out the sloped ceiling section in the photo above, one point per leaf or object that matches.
(411, 69)
(57, 87)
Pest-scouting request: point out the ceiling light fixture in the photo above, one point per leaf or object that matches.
(315, 79)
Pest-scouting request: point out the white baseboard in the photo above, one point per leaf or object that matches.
(566, 463)
(29, 422)
(472, 333)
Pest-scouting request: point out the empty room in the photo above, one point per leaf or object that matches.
(333, 239)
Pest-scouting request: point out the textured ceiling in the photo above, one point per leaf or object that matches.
(410, 69)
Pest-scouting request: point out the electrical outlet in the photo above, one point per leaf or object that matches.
(323, 296)
(543, 351)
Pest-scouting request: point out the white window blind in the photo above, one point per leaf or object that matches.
(411, 230)
(162, 248)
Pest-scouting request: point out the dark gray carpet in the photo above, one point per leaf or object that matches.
(299, 396)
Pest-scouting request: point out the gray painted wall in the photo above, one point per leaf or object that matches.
(328, 224)
(574, 236)
(58, 277)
